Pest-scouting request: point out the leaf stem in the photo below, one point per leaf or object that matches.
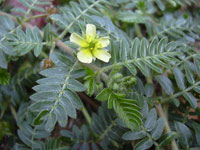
(86, 115)
(168, 99)
(35, 17)
(137, 60)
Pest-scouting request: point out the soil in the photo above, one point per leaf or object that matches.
(4, 144)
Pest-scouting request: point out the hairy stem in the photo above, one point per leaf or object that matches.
(167, 128)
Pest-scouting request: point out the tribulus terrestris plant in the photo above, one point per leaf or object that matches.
(99, 75)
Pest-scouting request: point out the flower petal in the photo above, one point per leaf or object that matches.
(102, 54)
(90, 32)
(84, 56)
(103, 42)
(75, 38)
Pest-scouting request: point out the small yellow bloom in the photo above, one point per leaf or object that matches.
(91, 46)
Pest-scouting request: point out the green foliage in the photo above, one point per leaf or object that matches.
(30, 135)
(31, 5)
(56, 99)
(145, 97)
(145, 56)
(24, 42)
(127, 109)
(151, 132)
(5, 77)
(53, 144)
(131, 17)
(6, 27)
(169, 88)
(105, 128)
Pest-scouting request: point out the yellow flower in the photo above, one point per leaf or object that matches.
(91, 46)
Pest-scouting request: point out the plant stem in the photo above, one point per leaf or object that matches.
(13, 111)
(86, 115)
(35, 17)
(167, 128)
(168, 99)
(138, 30)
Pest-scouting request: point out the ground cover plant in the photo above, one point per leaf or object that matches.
(99, 75)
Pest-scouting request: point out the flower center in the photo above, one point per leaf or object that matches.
(92, 46)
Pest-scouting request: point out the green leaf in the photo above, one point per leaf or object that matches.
(59, 20)
(184, 134)
(111, 100)
(149, 89)
(54, 72)
(196, 127)
(191, 99)
(38, 50)
(128, 111)
(124, 49)
(152, 66)
(179, 78)
(90, 85)
(166, 139)
(135, 48)
(176, 102)
(60, 59)
(67, 103)
(72, 96)
(160, 4)
(51, 121)
(6, 22)
(189, 74)
(47, 87)
(161, 45)
(24, 42)
(156, 55)
(24, 137)
(197, 89)
(78, 73)
(7, 48)
(51, 80)
(158, 129)
(4, 77)
(143, 48)
(31, 135)
(131, 17)
(75, 85)
(143, 68)
(197, 65)
(153, 46)
(44, 96)
(47, 33)
(131, 135)
(38, 119)
(61, 115)
(166, 84)
(131, 68)
(41, 105)
(56, 93)
(3, 60)
(144, 144)
(103, 95)
(151, 120)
